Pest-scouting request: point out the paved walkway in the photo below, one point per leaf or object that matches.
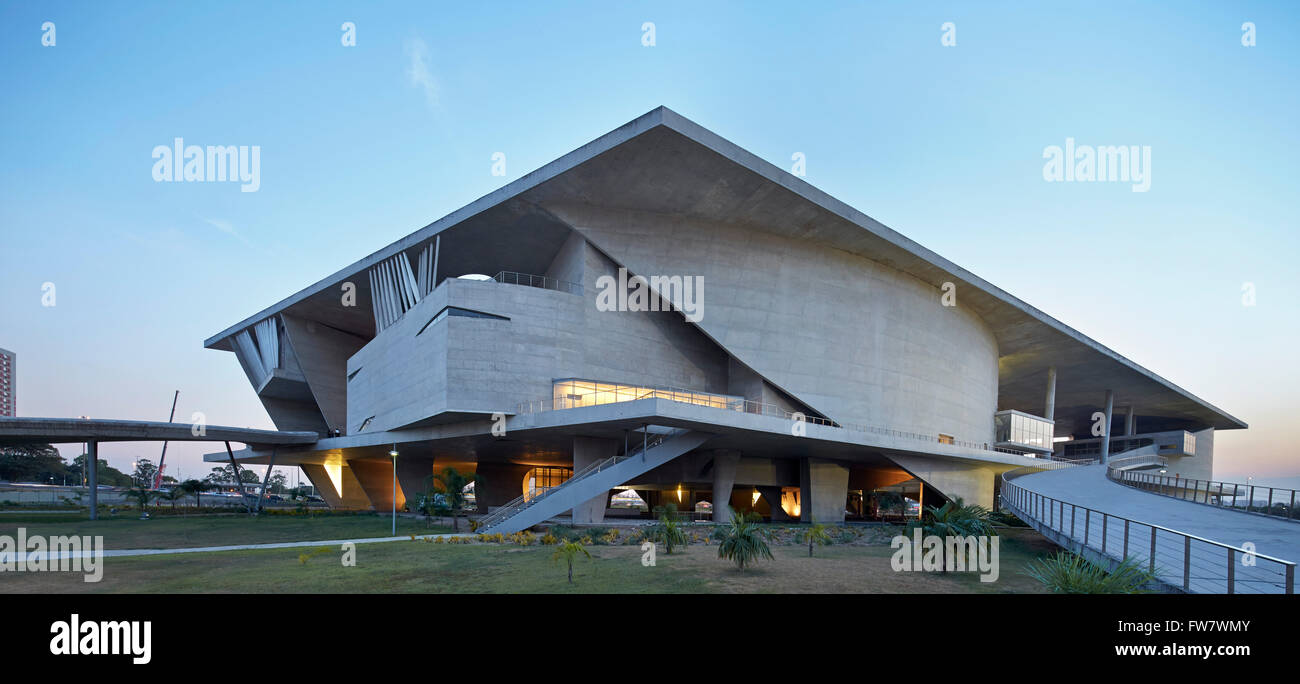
(1088, 486)
(32, 556)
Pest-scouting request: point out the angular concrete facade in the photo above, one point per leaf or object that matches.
(819, 357)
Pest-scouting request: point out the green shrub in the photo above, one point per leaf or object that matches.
(1068, 573)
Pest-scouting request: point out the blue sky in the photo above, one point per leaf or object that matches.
(362, 145)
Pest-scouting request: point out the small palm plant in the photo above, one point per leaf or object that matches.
(1067, 573)
(669, 529)
(142, 496)
(956, 519)
(453, 484)
(818, 535)
(742, 541)
(569, 552)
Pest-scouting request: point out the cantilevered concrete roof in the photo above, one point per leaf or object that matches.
(71, 430)
(663, 162)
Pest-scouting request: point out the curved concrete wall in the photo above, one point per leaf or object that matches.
(851, 337)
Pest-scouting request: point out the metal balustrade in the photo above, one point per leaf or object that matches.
(1178, 559)
(723, 402)
(524, 502)
(1279, 504)
(543, 282)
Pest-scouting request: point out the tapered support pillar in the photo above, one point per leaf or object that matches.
(92, 470)
(724, 478)
(1130, 422)
(1049, 404)
(1105, 436)
(824, 487)
(588, 450)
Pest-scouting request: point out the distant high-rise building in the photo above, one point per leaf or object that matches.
(8, 383)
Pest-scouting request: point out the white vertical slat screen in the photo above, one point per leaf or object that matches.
(395, 288)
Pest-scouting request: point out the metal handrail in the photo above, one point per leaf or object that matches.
(523, 502)
(543, 282)
(1140, 459)
(1202, 491)
(1048, 515)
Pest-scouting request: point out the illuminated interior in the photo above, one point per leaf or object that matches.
(575, 393)
(539, 480)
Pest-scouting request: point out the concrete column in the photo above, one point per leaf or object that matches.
(823, 489)
(1049, 407)
(772, 495)
(724, 478)
(92, 470)
(1130, 422)
(413, 475)
(588, 450)
(376, 480)
(499, 484)
(350, 494)
(1105, 437)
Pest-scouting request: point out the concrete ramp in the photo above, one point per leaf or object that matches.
(595, 480)
(1082, 510)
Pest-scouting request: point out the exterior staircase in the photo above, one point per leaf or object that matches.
(590, 482)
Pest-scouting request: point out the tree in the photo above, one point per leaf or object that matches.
(141, 496)
(172, 495)
(742, 541)
(144, 472)
(452, 487)
(195, 488)
(569, 551)
(669, 528)
(225, 475)
(105, 474)
(277, 482)
(31, 463)
(888, 500)
(816, 534)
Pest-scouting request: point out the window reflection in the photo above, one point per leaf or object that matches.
(1023, 429)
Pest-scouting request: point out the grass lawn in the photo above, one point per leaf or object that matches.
(127, 531)
(420, 567)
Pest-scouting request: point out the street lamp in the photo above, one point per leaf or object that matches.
(393, 454)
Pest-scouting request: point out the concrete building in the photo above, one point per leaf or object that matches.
(8, 383)
(813, 355)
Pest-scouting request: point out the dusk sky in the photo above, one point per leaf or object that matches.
(361, 145)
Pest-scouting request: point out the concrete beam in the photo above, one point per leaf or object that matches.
(970, 482)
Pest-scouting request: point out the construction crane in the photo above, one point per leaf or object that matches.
(157, 477)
